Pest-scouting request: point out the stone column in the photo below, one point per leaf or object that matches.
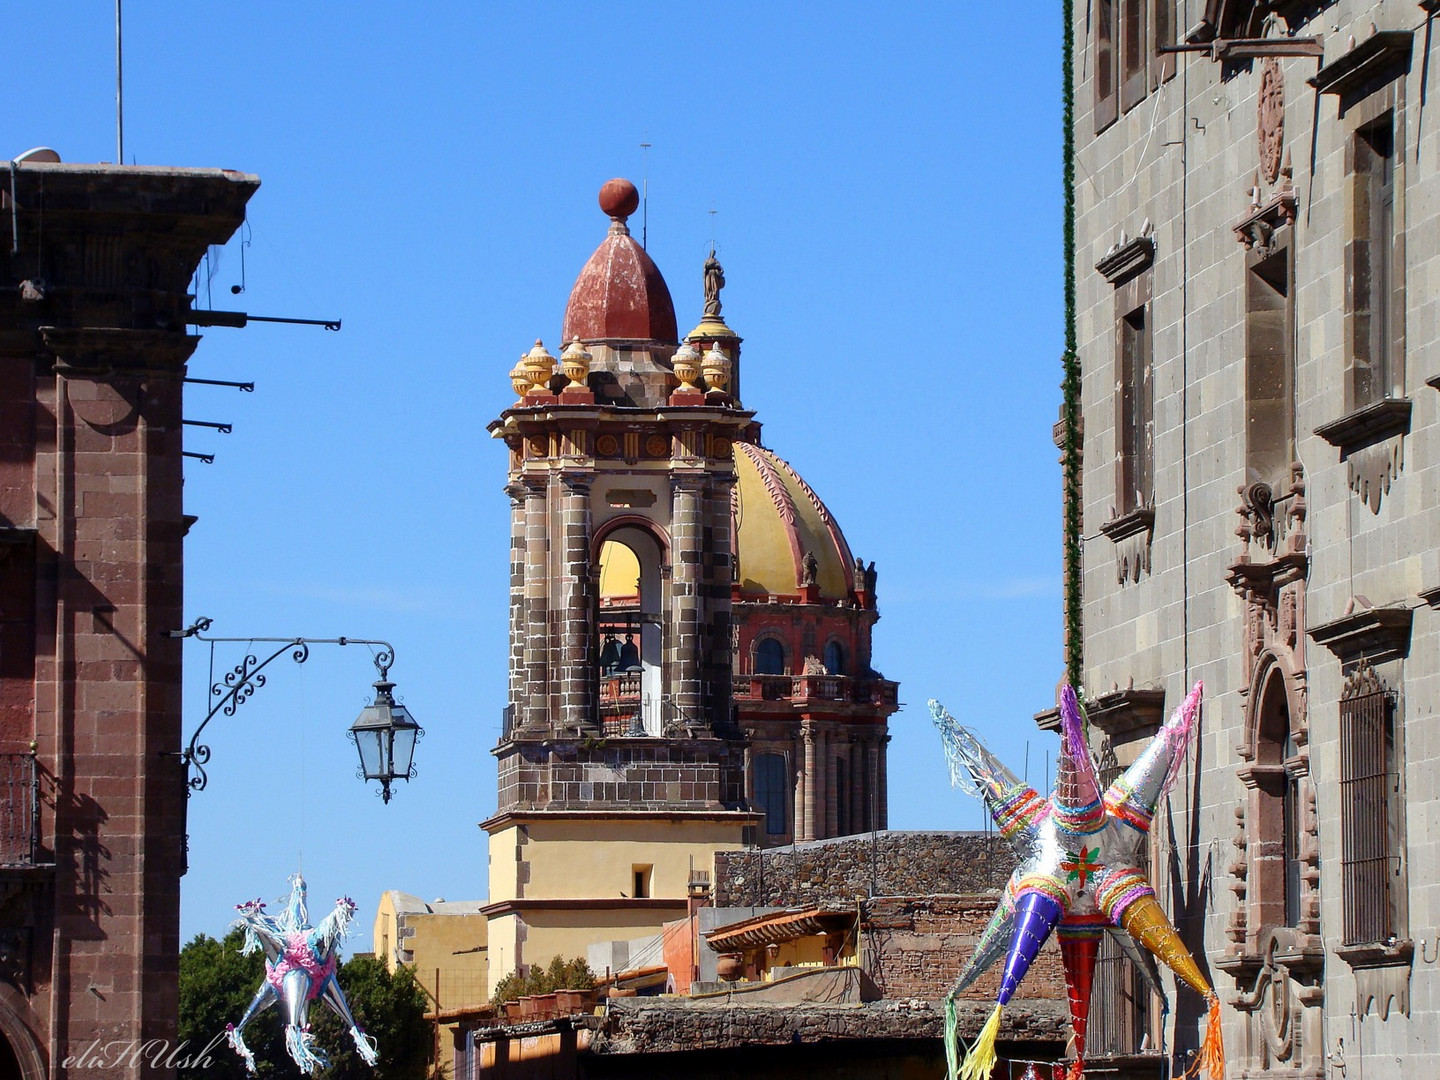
(577, 668)
(516, 686)
(806, 829)
(719, 576)
(882, 796)
(857, 788)
(872, 783)
(537, 607)
(687, 647)
(824, 787)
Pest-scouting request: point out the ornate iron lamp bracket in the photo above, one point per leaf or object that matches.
(240, 682)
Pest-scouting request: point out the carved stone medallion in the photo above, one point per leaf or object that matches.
(1272, 119)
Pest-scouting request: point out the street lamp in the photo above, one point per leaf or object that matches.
(385, 733)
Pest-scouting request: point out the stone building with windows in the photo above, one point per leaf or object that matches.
(690, 634)
(1258, 332)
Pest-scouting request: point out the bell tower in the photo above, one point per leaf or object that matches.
(621, 767)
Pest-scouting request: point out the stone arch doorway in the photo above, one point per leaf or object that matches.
(20, 1054)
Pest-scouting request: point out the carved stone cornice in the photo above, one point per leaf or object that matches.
(1126, 260)
(1373, 634)
(1123, 712)
(1258, 229)
(1382, 974)
(1371, 441)
(1247, 577)
(1393, 953)
(98, 350)
(1383, 56)
(1368, 424)
(1132, 535)
(1123, 526)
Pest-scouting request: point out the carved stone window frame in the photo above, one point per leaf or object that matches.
(1131, 525)
(1369, 82)
(1372, 644)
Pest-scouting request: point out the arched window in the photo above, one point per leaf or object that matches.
(1274, 878)
(834, 658)
(769, 657)
(770, 787)
(627, 629)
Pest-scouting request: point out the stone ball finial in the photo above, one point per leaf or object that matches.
(540, 366)
(619, 198)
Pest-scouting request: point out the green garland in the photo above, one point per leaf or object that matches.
(1070, 362)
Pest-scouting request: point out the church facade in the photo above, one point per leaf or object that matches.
(1254, 259)
(690, 634)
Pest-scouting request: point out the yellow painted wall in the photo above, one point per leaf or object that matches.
(452, 944)
(578, 859)
(593, 859)
(619, 571)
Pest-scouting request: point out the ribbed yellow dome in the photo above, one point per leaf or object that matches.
(778, 518)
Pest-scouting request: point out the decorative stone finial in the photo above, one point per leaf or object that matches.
(540, 366)
(519, 377)
(686, 364)
(619, 199)
(575, 362)
(716, 367)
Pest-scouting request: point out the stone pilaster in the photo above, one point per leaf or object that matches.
(576, 662)
(537, 605)
(857, 789)
(718, 577)
(882, 787)
(686, 602)
(516, 687)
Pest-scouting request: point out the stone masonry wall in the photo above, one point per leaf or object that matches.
(915, 947)
(840, 870)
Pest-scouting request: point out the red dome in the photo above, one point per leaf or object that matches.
(620, 294)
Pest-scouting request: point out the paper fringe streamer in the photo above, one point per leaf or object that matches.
(952, 1037)
(1212, 1049)
(980, 1058)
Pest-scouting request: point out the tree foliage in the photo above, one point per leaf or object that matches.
(561, 974)
(217, 984)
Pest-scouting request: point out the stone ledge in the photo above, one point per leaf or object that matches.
(1376, 634)
(1124, 261)
(1368, 424)
(1385, 53)
(1127, 525)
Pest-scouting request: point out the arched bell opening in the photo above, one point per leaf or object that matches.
(630, 633)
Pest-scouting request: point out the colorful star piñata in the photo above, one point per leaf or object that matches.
(1079, 874)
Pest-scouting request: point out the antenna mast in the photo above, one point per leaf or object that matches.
(119, 93)
(644, 194)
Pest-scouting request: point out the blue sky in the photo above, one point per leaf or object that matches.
(887, 207)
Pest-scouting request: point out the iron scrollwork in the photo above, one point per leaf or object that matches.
(242, 681)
